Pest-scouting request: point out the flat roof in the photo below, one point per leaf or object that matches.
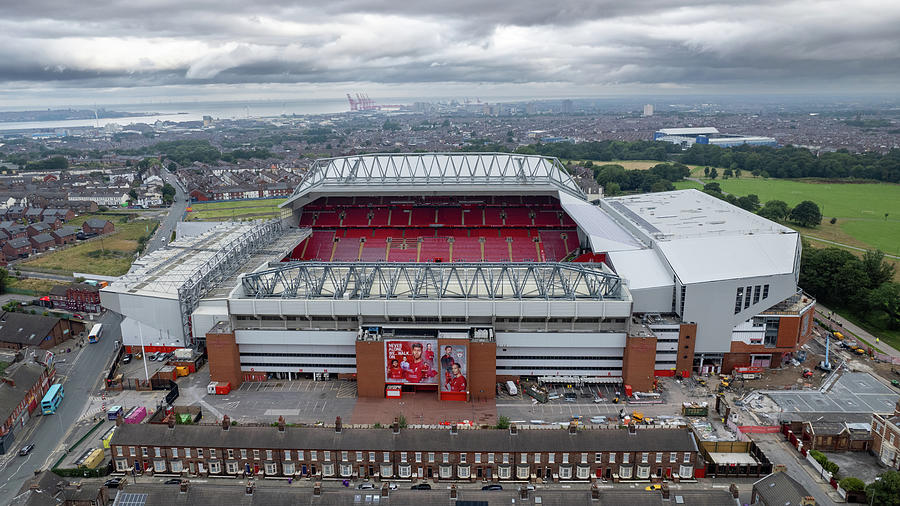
(689, 131)
(640, 268)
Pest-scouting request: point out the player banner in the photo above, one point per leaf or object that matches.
(454, 369)
(411, 361)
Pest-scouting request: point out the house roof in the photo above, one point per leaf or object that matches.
(26, 329)
(24, 374)
(65, 231)
(42, 238)
(96, 223)
(21, 242)
(781, 489)
(411, 440)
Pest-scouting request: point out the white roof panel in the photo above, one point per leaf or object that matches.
(641, 268)
(603, 232)
(717, 258)
(689, 131)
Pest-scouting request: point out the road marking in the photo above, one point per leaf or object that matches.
(282, 412)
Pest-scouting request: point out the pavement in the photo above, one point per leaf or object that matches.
(826, 314)
(81, 372)
(176, 211)
(779, 451)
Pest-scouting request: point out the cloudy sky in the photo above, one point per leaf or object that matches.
(134, 49)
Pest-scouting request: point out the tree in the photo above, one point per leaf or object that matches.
(886, 298)
(727, 173)
(749, 202)
(168, 193)
(832, 221)
(502, 422)
(663, 185)
(712, 187)
(737, 172)
(877, 270)
(612, 189)
(851, 484)
(776, 210)
(806, 214)
(713, 173)
(4, 279)
(706, 171)
(886, 490)
(132, 193)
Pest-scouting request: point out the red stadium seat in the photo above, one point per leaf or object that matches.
(518, 217)
(546, 219)
(422, 217)
(434, 249)
(356, 217)
(450, 216)
(400, 254)
(380, 216)
(523, 250)
(496, 249)
(492, 217)
(467, 249)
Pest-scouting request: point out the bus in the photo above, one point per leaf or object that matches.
(52, 399)
(96, 333)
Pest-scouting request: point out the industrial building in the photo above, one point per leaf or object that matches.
(687, 137)
(450, 272)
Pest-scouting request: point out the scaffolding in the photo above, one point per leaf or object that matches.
(457, 280)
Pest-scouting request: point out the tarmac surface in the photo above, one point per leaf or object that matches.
(851, 393)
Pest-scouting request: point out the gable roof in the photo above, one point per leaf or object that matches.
(96, 223)
(780, 488)
(42, 238)
(26, 329)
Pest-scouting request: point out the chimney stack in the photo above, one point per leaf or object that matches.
(665, 490)
(632, 429)
(808, 501)
(453, 491)
(249, 488)
(454, 429)
(396, 426)
(119, 420)
(280, 424)
(384, 489)
(184, 486)
(734, 491)
(779, 468)
(513, 429)
(317, 489)
(523, 493)
(573, 429)
(171, 421)
(338, 425)
(226, 422)
(595, 492)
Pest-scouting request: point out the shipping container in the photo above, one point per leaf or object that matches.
(136, 415)
(694, 409)
(223, 388)
(90, 459)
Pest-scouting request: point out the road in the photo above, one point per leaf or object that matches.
(779, 452)
(826, 314)
(81, 376)
(176, 211)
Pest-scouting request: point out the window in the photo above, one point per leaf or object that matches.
(523, 458)
(287, 468)
(565, 472)
(175, 452)
(463, 472)
(747, 298)
(402, 456)
(659, 457)
(445, 457)
(256, 455)
(686, 471)
(490, 458)
(215, 467)
(765, 291)
(159, 466)
(625, 472)
(598, 458)
(756, 293)
(522, 472)
(346, 469)
(119, 451)
(200, 453)
(583, 472)
(386, 457)
(565, 458)
(131, 451)
(144, 451)
(431, 457)
(313, 455)
(478, 458)
(738, 297)
(231, 467)
(612, 457)
(371, 456)
(344, 457)
(891, 439)
(121, 465)
(537, 458)
(243, 454)
(299, 454)
(506, 458)
(287, 455)
(268, 454)
(683, 298)
(418, 457)
(462, 458)
(404, 470)
(445, 472)
(326, 452)
(551, 458)
(359, 456)
(187, 453)
(327, 469)
(176, 466)
(157, 451)
(584, 458)
(387, 470)
(687, 457)
(626, 458)
(643, 472)
(673, 457)
(503, 472)
(644, 457)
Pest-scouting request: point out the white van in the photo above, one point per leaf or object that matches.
(511, 388)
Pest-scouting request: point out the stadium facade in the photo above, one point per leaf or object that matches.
(451, 272)
(687, 137)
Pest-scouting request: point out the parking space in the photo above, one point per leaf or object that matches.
(851, 393)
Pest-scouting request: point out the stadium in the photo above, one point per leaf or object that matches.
(451, 272)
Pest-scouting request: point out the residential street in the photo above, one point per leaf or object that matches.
(779, 452)
(80, 372)
(164, 232)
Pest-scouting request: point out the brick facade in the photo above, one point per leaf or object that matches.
(224, 357)
(638, 361)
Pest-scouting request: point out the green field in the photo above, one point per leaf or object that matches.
(859, 208)
(236, 210)
(110, 255)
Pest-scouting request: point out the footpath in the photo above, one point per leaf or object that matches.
(826, 314)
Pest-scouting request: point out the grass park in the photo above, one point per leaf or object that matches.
(110, 255)
(234, 210)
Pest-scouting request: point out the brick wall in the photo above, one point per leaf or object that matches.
(638, 362)
(224, 359)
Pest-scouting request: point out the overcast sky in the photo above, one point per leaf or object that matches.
(133, 49)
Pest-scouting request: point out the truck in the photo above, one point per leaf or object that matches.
(537, 393)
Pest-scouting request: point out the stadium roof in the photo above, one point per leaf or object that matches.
(436, 172)
(604, 233)
(457, 280)
(689, 131)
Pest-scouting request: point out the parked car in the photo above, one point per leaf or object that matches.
(492, 486)
(570, 397)
(393, 486)
(113, 483)
(26, 449)
(172, 481)
(421, 486)
(126, 359)
(652, 488)
(366, 486)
